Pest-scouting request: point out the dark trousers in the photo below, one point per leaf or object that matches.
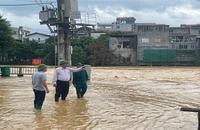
(81, 90)
(39, 98)
(62, 90)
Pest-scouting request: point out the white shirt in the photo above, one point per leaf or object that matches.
(63, 74)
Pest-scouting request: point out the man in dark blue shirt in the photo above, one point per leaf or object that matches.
(80, 81)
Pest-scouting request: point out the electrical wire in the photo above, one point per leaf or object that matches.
(17, 4)
(25, 4)
(41, 3)
(37, 3)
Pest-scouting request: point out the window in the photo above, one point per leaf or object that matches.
(38, 39)
(160, 40)
(145, 40)
(180, 46)
(183, 46)
(192, 46)
(126, 44)
(128, 59)
(14, 32)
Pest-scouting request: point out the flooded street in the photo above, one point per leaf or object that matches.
(118, 98)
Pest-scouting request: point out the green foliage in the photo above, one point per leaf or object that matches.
(104, 39)
(83, 42)
(20, 52)
(78, 55)
(5, 35)
(24, 52)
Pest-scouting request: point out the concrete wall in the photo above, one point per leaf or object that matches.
(124, 55)
(152, 37)
(179, 30)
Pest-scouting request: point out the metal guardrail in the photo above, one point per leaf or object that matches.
(21, 71)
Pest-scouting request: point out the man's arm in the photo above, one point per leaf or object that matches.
(55, 78)
(45, 85)
(77, 70)
(74, 79)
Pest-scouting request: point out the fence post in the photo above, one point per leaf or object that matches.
(20, 72)
(193, 110)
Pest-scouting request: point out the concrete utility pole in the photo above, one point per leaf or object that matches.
(60, 18)
(64, 40)
(64, 18)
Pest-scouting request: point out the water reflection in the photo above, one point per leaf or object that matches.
(70, 114)
(41, 121)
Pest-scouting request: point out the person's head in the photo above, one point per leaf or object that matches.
(79, 64)
(42, 67)
(64, 63)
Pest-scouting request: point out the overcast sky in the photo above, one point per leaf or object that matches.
(171, 12)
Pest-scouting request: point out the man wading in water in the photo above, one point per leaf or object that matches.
(61, 79)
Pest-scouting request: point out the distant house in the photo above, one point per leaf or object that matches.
(20, 33)
(38, 37)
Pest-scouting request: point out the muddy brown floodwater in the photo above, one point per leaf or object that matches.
(118, 98)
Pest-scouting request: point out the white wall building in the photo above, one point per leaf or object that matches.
(20, 33)
(38, 37)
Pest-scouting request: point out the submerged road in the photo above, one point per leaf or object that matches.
(118, 98)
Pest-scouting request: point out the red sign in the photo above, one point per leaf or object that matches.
(36, 61)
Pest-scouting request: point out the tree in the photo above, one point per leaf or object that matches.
(104, 39)
(78, 55)
(100, 55)
(19, 53)
(5, 36)
(82, 41)
(48, 55)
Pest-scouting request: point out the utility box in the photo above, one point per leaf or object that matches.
(70, 6)
(48, 15)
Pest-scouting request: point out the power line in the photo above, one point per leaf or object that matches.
(31, 4)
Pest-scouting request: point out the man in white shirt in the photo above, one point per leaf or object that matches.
(61, 79)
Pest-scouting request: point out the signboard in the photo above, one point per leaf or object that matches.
(36, 61)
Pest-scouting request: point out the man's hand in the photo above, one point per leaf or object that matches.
(55, 85)
(47, 90)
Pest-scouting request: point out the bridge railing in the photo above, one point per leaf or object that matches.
(21, 71)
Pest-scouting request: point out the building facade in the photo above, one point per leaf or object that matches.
(151, 36)
(124, 48)
(38, 37)
(181, 39)
(123, 24)
(20, 33)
